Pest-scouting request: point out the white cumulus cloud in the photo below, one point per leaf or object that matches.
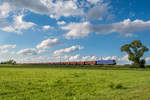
(27, 52)
(47, 27)
(4, 10)
(94, 1)
(79, 30)
(123, 27)
(8, 46)
(46, 44)
(47, 7)
(3, 51)
(18, 25)
(98, 12)
(64, 8)
(61, 22)
(7, 49)
(68, 50)
(33, 5)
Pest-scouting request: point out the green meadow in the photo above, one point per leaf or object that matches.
(45, 82)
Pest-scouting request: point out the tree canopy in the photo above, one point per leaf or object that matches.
(135, 51)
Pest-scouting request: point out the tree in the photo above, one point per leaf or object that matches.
(135, 51)
(9, 62)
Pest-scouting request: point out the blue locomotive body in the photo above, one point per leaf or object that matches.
(106, 62)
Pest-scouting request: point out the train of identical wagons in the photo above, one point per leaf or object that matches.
(99, 62)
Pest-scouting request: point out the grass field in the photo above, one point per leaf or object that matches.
(42, 82)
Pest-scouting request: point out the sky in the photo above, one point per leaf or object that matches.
(72, 30)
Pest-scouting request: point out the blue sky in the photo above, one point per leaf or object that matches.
(75, 30)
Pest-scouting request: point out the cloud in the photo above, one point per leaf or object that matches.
(3, 51)
(65, 8)
(78, 57)
(147, 59)
(6, 49)
(120, 60)
(124, 27)
(41, 51)
(8, 46)
(89, 58)
(61, 22)
(47, 27)
(33, 5)
(36, 59)
(27, 52)
(98, 12)
(47, 7)
(79, 30)
(4, 10)
(74, 58)
(46, 44)
(40, 48)
(18, 25)
(130, 35)
(8, 29)
(47, 58)
(68, 50)
(94, 1)
(110, 58)
(110, 17)
(55, 9)
(123, 60)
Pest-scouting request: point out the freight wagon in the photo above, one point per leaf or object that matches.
(90, 62)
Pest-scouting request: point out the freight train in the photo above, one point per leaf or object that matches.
(99, 62)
